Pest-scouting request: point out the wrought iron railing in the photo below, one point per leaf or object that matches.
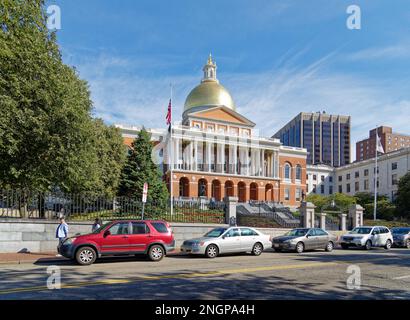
(31, 204)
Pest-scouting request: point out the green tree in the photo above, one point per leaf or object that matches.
(111, 156)
(318, 200)
(139, 168)
(47, 134)
(403, 197)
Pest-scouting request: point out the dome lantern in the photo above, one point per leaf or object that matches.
(209, 93)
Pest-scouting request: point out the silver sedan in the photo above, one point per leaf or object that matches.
(228, 240)
(303, 239)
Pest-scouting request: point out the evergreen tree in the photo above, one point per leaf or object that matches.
(403, 197)
(140, 168)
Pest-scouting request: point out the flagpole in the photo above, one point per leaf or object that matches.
(171, 162)
(375, 187)
(375, 177)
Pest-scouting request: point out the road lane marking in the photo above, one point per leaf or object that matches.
(170, 276)
(402, 277)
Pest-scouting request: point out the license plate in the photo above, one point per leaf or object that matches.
(276, 245)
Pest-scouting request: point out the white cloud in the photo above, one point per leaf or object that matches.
(389, 52)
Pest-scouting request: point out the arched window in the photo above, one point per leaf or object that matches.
(288, 171)
(298, 172)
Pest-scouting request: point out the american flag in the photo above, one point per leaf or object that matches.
(168, 117)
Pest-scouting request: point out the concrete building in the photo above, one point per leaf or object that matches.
(326, 137)
(391, 141)
(360, 176)
(216, 152)
(320, 179)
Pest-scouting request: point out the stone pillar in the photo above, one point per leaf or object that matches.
(343, 226)
(307, 214)
(230, 211)
(356, 215)
(196, 155)
(209, 155)
(323, 220)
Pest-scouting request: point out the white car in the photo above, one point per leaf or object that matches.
(228, 240)
(367, 237)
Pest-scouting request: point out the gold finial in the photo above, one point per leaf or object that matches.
(210, 59)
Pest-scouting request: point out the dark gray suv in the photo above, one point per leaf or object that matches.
(401, 237)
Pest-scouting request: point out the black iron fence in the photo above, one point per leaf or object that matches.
(30, 204)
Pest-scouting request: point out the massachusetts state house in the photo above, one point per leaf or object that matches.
(216, 152)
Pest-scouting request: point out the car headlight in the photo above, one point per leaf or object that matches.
(357, 238)
(69, 241)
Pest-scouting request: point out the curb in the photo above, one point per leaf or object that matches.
(31, 261)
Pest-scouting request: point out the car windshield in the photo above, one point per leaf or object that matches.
(400, 230)
(297, 232)
(101, 228)
(215, 233)
(361, 230)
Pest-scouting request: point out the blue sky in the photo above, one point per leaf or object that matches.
(277, 58)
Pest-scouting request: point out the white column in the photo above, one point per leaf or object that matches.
(209, 155)
(235, 159)
(248, 173)
(263, 163)
(191, 156)
(196, 155)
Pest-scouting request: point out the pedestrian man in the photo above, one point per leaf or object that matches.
(61, 233)
(97, 224)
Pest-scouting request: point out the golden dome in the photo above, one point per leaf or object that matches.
(209, 92)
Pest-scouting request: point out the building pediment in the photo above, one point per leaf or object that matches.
(222, 114)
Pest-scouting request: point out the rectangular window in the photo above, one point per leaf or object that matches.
(356, 174)
(322, 178)
(340, 178)
(330, 179)
(348, 188)
(330, 190)
(340, 189)
(394, 166)
(348, 176)
(139, 228)
(394, 180)
(366, 185)
(287, 194)
(366, 172)
(298, 194)
(322, 189)
(314, 188)
(356, 186)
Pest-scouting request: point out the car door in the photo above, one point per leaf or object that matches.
(248, 239)
(116, 240)
(322, 238)
(384, 236)
(139, 237)
(231, 241)
(375, 237)
(310, 241)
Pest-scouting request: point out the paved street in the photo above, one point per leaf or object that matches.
(311, 275)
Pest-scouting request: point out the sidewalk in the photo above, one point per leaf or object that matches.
(19, 258)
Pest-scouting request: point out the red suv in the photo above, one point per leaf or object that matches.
(125, 237)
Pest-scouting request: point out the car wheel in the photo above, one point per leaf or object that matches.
(329, 246)
(368, 245)
(344, 246)
(388, 245)
(257, 249)
(212, 251)
(85, 256)
(407, 244)
(156, 253)
(300, 247)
